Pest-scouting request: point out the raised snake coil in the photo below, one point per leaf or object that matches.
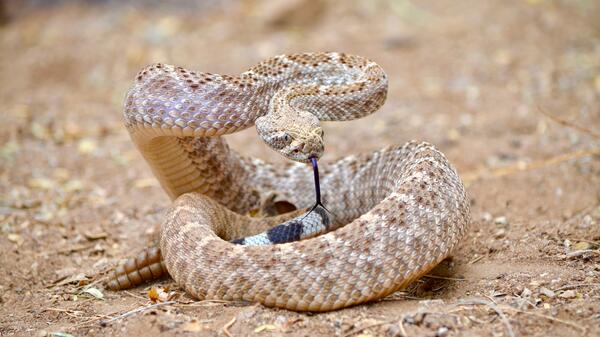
(403, 208)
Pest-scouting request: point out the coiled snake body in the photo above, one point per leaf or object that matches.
(400, 210)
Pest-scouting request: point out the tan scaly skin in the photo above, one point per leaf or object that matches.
(403, 208)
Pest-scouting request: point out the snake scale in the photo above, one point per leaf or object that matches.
(399, 211)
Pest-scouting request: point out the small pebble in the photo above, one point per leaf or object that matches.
(87, 146)
(500, 233)
(547, 292)
(16, 238)
(501, 220)
(441, 332)
(526, 293)
(487, 217)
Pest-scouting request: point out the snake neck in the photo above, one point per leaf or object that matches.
(205, 165)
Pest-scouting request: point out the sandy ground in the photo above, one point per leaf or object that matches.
(469, 76)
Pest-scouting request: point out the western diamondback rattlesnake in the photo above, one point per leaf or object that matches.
(401, 209)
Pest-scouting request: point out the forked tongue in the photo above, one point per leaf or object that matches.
(318, 202)
(315, 166)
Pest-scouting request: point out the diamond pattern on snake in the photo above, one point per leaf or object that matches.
(392, 214)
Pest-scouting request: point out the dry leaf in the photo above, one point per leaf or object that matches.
(95, 236)
(94, 292)
(581, 246)
(16, 238)
(265, 327)
(153, 294)
(159, 294)
(61, 334)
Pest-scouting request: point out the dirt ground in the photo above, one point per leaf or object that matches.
(472, 77)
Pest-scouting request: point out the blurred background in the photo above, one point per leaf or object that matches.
(457, 69)
(472, 77)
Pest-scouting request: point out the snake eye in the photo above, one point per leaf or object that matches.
(284, 138)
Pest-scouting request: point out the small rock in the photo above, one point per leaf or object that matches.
(87, 146)
(487, 217)
(568, 294)
(501, 220)
(15, 238)
(441, 332)
(500, 233)
(526, 293)
(281, 320)
(547, 292)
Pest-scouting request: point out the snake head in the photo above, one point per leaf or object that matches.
(298, 137)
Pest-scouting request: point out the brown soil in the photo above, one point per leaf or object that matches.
(468, 76)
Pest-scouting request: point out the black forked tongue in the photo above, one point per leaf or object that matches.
(318, 202)
(315, 166)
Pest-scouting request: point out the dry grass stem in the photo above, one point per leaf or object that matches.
(135, 311)
(569, 124)
(227, 326)
(471, 177)
(499, 312)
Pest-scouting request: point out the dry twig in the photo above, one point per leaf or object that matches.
(470, 177)
(135, 311)
(401, 327)
(578, 285)
(227, 326)
(354, 332)
(494, 307)
(445, 278)
(569, 124)
(578, 253)
(135, 295)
